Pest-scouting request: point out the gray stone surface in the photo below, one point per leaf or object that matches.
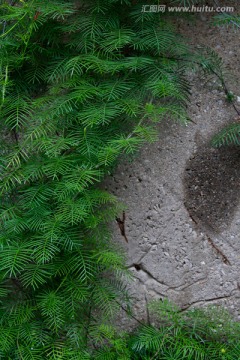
(175, 251)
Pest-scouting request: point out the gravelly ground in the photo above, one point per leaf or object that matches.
(183, 216)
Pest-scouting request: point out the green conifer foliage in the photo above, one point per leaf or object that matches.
(198, 334)
(81, 83)
(229, 135)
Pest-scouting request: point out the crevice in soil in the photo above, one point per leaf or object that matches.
(203, 301)
(140, 267)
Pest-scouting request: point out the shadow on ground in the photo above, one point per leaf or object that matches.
(212, 186)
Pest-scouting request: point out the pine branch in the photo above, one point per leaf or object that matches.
(229, 18)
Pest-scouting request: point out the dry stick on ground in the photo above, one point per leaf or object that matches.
(147, 311)
(211, 242)
(121, 224)
(130, 314)
(225, 259)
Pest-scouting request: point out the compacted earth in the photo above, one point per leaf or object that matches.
(182, 195)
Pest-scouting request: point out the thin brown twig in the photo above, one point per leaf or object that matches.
(121, 225)
(130, 314)
(211, 242)
(225, 259)
(147, 311)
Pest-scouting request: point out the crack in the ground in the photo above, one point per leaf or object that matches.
(146, 253)
(207, 300)
(182, 287)
(142, 257)
(140, 267)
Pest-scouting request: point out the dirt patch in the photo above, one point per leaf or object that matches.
(181, 178)
(212, 186)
